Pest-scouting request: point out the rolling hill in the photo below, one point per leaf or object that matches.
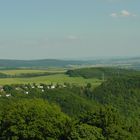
(37, 63)
(44, 63)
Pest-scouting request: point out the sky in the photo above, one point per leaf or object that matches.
(40, 29)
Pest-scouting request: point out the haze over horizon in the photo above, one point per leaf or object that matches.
(39, 29)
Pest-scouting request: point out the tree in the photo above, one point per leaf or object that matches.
(33, 119)
(108, 119)
(86, 132)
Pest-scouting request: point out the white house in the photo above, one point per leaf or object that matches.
(53, 86)
(1, 89)
(8, 95)
(41, 87)
(26, 92)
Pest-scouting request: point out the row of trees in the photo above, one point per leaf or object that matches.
(26, 75)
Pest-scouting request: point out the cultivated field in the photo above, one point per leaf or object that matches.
(21, 71)
(60, 78)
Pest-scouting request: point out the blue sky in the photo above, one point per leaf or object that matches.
(36, 29)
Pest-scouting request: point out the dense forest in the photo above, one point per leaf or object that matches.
(110, 111)
(101, 72)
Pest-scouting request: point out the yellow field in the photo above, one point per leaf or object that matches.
(20, 71)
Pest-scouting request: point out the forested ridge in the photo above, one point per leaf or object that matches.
(110, 111)
(102, 72)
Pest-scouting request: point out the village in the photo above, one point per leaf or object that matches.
(7, 90)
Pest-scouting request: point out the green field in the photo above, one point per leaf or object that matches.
(58, 78)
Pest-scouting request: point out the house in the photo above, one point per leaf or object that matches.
(26, 92)
(17, 88)
(64, 86)
(1, 88)
(52, 86)
(8, 95)
(41, 87)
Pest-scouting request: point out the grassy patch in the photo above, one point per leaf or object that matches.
(58, 78)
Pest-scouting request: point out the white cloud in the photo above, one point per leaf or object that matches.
(72, 37)
(114, 15)
(123, 13)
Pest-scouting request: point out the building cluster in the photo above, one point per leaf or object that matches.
(27, 88)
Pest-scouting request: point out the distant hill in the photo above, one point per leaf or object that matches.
(44, 63)
(38, 63)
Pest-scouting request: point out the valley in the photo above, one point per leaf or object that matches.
(98, 103)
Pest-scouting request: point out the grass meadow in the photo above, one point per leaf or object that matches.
(57, 78)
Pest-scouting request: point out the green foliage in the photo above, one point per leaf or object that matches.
(70, 103)
(123, 93)
(101, 72)
(32, 119)
(8, 88)
(109, 121)
(86, 132)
